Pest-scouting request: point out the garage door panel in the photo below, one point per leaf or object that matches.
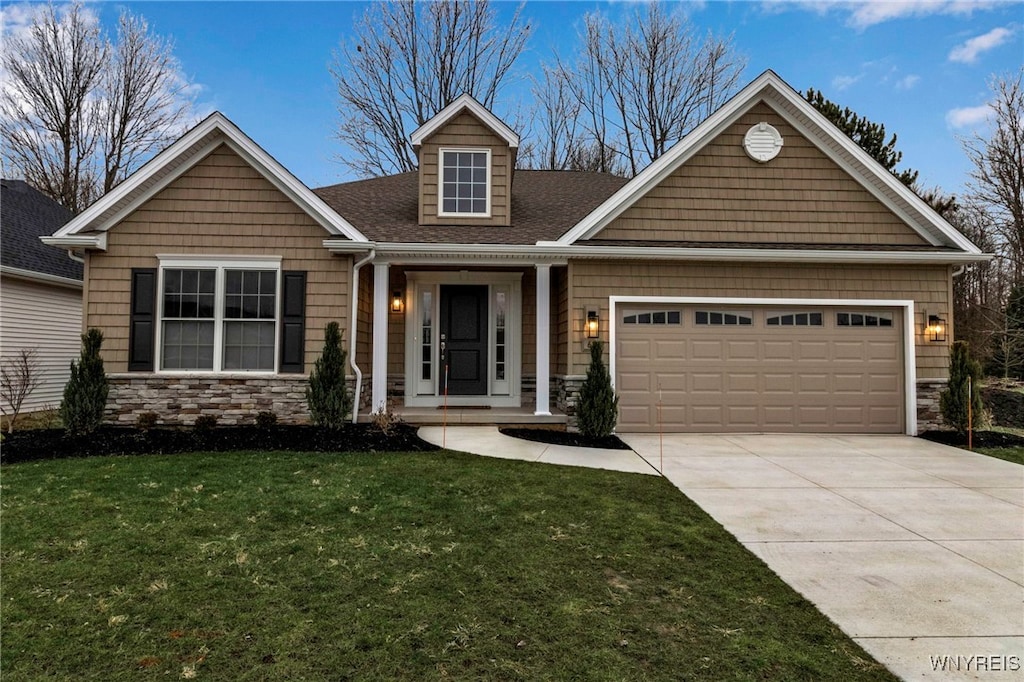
(809, 378)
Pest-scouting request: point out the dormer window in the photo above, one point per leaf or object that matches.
(465, 182)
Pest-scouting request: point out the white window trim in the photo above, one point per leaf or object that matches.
(440, 182)
(909, 348)
(218, 263)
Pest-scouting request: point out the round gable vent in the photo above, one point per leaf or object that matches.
(762, 142)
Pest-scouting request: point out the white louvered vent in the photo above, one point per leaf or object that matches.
(762, 142)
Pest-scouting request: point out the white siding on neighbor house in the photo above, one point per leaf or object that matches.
(49, 319)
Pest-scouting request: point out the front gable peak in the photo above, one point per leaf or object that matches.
(468, 104)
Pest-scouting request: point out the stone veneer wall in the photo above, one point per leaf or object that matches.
(928, 416)
(565, 391)
(232, 399)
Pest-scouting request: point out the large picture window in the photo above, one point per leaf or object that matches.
(219, 317)
(464, 182)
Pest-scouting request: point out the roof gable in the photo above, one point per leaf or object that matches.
(810, 124)
(27, 214)
(477, 110)
(171, 163)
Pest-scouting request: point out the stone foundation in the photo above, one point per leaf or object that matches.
(928, 416)
(232, 399)
(565, 392)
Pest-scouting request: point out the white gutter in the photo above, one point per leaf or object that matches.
(353, 322)
(78, 241)
(41, 277)
(553, 251)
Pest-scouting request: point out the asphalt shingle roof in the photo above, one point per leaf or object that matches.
(25, 215)
(545, 204)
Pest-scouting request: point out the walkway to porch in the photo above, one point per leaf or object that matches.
(464, 415)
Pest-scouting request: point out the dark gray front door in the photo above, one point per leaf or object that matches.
(464, 339)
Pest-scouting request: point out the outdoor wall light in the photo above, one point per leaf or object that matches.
(397, 301)
(593, 325)
(936, 329)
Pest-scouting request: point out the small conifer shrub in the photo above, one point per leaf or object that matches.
(327, 394)
(597, 409)
(85, 394)
(954, 400)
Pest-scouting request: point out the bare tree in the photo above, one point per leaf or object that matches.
(144, 101)
(19, 376)
(79, 112)
(408, 60)
(997, 180)
(47, 114)
(645, 83)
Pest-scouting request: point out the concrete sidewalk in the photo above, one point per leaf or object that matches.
(916, 550)
(489, 442)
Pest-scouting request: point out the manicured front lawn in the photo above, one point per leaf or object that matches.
(1015, 455)
(257, 566)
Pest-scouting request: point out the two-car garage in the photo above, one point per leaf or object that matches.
(706, 366)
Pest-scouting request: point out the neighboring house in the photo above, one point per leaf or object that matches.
(40, 290)
(764, 275)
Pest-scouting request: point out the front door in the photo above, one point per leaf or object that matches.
(464, 339)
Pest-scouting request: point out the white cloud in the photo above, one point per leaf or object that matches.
(843, 82)
(966, 117)
(969, 51)
(907, 82)
(866, 13)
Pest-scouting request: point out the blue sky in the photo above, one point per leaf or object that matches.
(918, 66)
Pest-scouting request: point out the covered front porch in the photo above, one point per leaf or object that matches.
(468, 341)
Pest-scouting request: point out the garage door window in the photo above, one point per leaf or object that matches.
(714, 317)
(864, 319)
(794, 320)
(653, 317)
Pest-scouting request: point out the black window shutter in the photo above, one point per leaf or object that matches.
(142, 323)
(293, 321)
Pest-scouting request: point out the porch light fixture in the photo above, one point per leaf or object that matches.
(936, 329)
(397, 301)
(593, 324)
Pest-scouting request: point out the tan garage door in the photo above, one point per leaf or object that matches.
(701, 368)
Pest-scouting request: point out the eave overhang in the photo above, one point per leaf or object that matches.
(554, 253)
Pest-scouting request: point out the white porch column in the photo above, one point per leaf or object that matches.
(543, 339)
(379, 387)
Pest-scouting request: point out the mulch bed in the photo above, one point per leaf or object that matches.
(552, 437)
(982, 439)
(23, 446)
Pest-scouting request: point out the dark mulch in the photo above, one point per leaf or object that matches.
(553, 437)
(23, 446)
(1005, 404)
(982, 439)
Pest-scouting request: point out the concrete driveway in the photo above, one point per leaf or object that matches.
(916, 550)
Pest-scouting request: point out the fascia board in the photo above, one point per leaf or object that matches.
(42, 277)
(78, 241)
(549, 250)
(464, 102)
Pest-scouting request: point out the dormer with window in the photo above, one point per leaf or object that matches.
(466, 158)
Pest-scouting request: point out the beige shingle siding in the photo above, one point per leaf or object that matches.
(592, 282)
(220, 206)
(465, 131)
(49, 319)
(722, 195)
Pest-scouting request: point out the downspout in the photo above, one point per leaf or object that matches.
(75, 257)
(957, 271)
(353, 322)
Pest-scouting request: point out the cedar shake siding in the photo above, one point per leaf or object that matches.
(722, 195)
(465, 131)
(592, 282)
(219, 206)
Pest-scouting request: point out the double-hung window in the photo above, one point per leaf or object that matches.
(465, 182)
(219, 315)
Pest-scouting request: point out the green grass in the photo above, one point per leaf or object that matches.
(1014, 454)
(254, 566)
